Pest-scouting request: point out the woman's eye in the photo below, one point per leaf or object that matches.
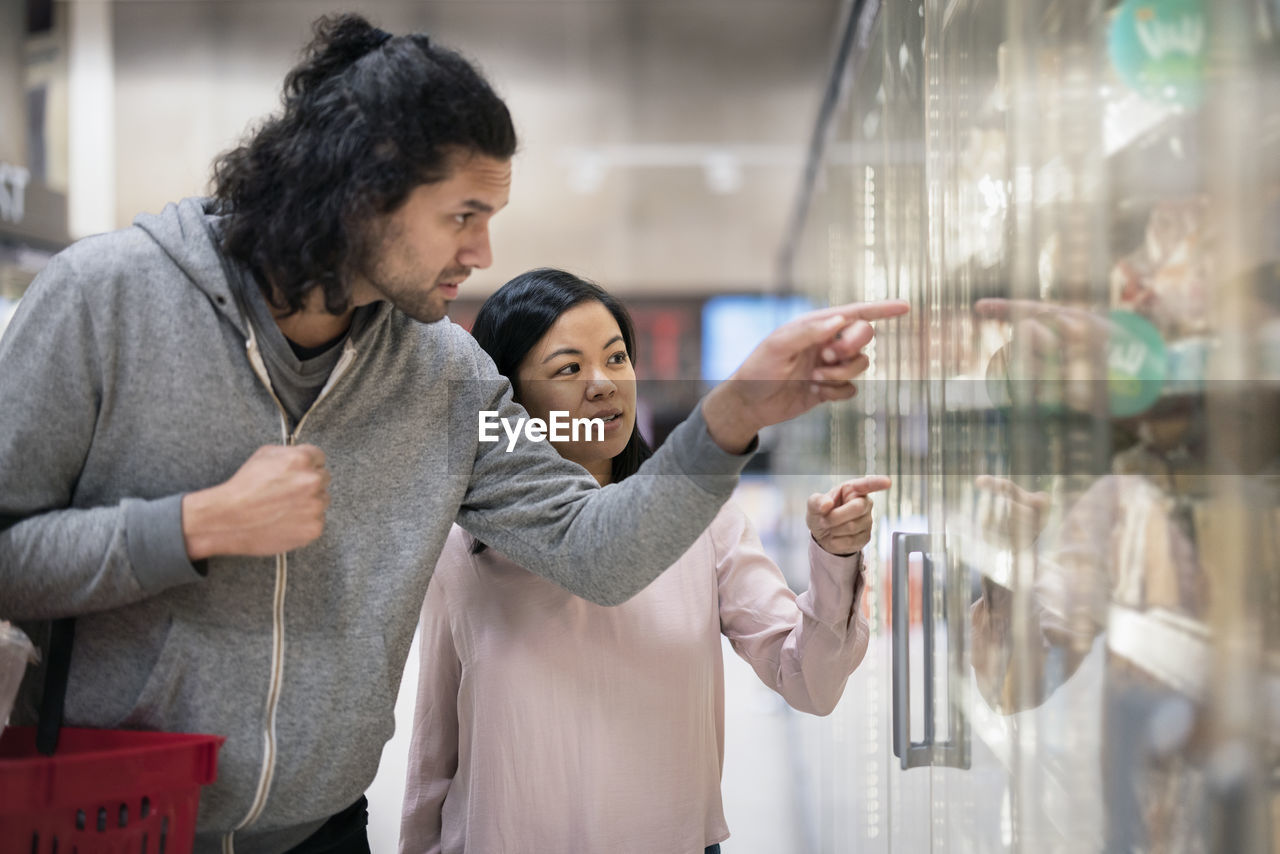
(571, 368)
(619, 358)
(461, 219)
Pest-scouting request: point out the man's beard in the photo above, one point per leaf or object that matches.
(424, 306)
(404, 292)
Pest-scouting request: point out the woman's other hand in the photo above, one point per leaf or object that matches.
(840, 519)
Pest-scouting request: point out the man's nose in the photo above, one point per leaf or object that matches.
(476, 252)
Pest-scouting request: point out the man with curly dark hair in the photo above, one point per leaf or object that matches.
(236, 435)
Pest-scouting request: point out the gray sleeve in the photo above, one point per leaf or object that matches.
(157, 547)
(55, 559)
(604, 545)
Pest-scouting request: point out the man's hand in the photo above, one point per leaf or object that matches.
(275, 503)
(807, 361)
(840, 519)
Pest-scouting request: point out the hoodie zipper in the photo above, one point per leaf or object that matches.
(282, 579)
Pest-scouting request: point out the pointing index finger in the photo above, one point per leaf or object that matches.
(865, 486)
(878, 310)
(825, 324)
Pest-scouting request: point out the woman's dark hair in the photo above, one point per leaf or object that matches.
(516, 316)
(367, 118)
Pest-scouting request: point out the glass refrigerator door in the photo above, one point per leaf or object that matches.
(909, 447)
(1104, 272)
(1012, 453)
(864, 803)
(1076, 619)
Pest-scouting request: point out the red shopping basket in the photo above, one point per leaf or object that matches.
(100, 791)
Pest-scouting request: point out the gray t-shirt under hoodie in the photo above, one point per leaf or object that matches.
(297, 373)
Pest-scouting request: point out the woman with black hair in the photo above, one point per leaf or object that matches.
(545, 722)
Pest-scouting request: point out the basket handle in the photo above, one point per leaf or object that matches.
(61, 637)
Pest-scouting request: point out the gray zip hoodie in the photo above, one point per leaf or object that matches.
(129, 376)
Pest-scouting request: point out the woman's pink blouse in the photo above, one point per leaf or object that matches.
(546, 723)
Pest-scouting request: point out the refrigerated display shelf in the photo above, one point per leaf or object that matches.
(1178, 652)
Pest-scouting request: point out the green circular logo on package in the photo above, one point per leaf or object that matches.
(1158, 49)
(1136, 364)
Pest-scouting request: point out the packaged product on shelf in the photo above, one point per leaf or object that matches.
(1167, 278)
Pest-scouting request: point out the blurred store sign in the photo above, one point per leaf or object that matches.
(732, 325)
(30, 212)
(13, 192)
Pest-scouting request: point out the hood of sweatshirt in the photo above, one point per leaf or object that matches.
(187, 233)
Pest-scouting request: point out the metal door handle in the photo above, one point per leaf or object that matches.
(914, 754)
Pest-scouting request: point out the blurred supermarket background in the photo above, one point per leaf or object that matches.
(1079, 198)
